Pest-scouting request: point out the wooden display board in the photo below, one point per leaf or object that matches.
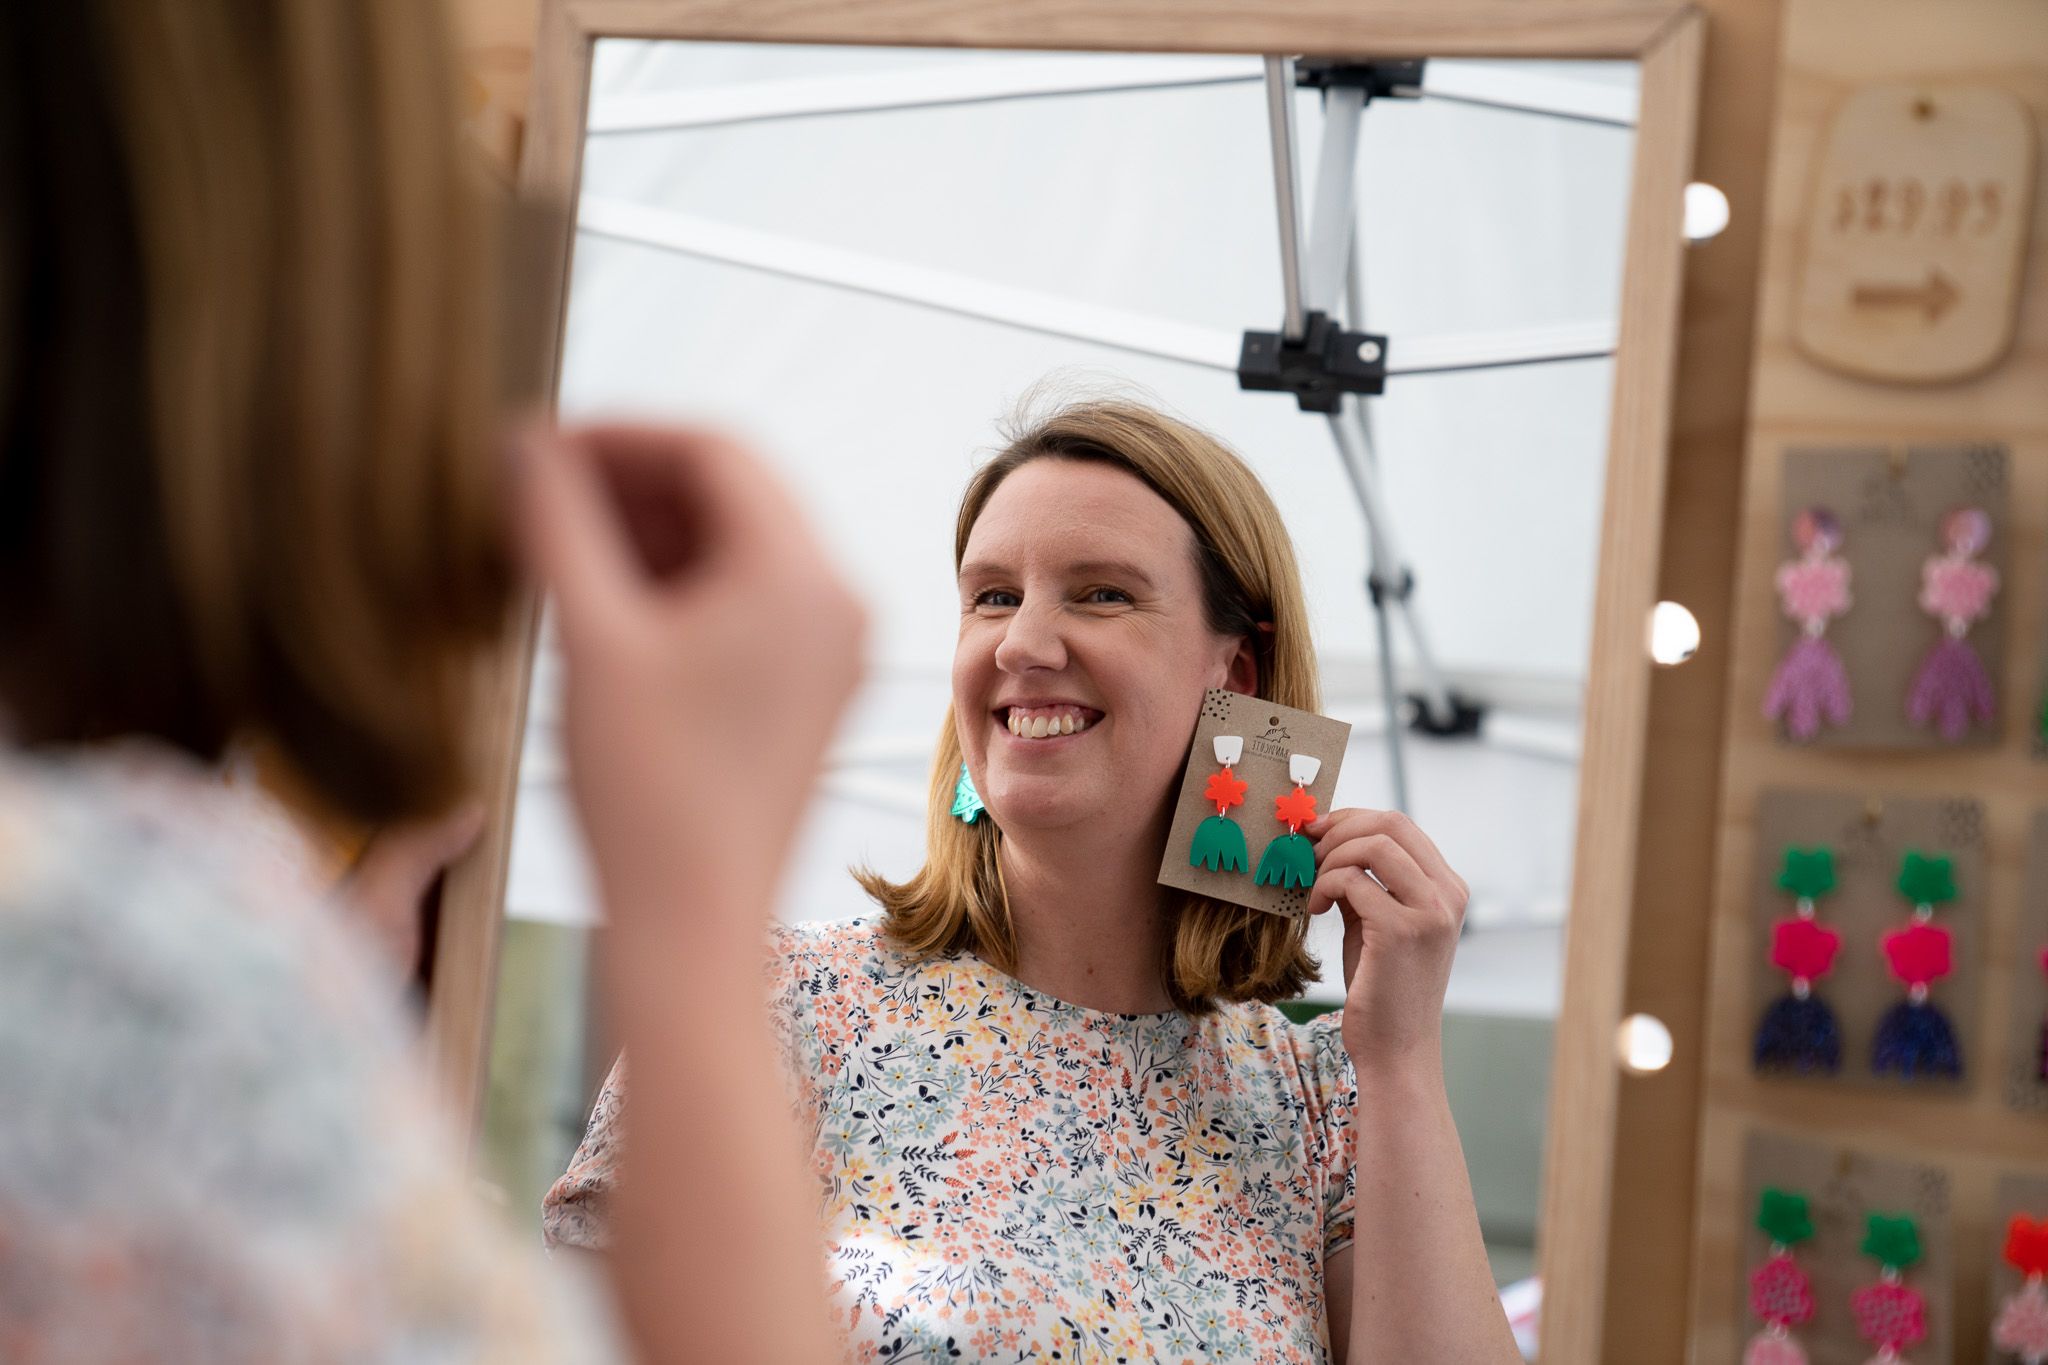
(1832, 50)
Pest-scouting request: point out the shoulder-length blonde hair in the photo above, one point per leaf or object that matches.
(1252, 588)
(248, 388)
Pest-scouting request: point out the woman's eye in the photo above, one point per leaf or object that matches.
(995, 597)
(1106, 596)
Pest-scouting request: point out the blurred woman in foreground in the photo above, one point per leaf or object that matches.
(252, 493)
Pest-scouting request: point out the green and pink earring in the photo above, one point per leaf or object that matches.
(1780, 1290)
(1219, 840)
(1290, 860)
(1890, 1314)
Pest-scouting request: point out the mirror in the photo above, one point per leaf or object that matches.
(864, 258)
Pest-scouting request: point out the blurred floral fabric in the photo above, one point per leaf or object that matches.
(214, 1143)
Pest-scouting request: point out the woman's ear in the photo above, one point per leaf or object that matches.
(1243, 674)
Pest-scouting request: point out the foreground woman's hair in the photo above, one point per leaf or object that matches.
(1252, 587)
(243, 496)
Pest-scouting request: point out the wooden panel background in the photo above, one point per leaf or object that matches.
(1830, 46)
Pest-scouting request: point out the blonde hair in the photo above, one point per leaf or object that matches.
(1251, 588)
(248, 386)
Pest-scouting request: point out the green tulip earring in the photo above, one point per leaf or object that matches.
(1219, 840)
(1290, 860)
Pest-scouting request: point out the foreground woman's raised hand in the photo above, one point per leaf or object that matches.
(710, 651)
(710, 648)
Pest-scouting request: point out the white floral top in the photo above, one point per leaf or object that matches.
(214, 1146)
(1010, 1178)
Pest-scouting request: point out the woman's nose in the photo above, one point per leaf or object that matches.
(1031, 640)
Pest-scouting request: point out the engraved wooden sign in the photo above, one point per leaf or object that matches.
(1915, 234)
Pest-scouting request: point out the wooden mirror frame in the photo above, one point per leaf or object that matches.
(1667, 40)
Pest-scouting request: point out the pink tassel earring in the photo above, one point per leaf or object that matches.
(1951, 688)
(2022, 1326)
(1811, 686)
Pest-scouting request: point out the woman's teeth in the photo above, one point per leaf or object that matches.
(1047, 724)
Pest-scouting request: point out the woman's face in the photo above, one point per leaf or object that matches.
(1084, 649)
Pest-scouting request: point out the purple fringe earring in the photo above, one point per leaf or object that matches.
(1811, 687)
(1951, 689)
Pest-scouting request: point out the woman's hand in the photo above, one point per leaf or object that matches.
(1402, 907)
(710, 650)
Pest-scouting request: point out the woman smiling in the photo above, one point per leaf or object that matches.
(1056, 1115)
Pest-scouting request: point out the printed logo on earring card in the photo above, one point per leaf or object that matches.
(1257, 773)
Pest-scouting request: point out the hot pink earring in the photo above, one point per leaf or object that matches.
(1951, 689)
(1811, 686)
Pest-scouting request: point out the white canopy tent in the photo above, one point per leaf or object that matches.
(810, 246)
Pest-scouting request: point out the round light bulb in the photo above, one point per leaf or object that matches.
(1643, 1044)
(1706, 212)
(1674, 634)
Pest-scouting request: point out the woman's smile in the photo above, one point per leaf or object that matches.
(1039, 723)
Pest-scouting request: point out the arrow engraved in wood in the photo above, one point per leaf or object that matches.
(1936, 296)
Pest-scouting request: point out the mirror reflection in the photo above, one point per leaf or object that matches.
(888, 268)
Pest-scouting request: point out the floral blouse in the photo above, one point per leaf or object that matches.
(215, 1148)
(1010, 1178)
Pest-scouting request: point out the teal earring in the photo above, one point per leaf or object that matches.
(967, 807)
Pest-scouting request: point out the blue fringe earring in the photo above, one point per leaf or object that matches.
(1798, 1032)
(1914, 1038)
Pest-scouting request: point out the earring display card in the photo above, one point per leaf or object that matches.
(2017, 1196)
(1891, 506)
(1869, 838)
(1272, 734)
(2026, 1087)
(1842, 1189)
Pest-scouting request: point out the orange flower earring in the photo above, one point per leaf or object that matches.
(1219, 840)
(1290, 860)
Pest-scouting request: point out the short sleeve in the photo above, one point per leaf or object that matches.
(1333, 1103)
(220, 1146)
(577, 1209)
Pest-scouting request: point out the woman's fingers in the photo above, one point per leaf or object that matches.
(695, 496)
(1342, 826)
(571, 533)
(615, 513)
(1393, 866)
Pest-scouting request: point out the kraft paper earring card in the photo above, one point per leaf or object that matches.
(1883, 875)
(1894, 626)
(1247, 765)
(1861, 1214)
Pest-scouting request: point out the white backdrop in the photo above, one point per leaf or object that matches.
(1158, 202)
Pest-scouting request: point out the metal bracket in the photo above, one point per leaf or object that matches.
(1318, 370)
(1379, 80)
